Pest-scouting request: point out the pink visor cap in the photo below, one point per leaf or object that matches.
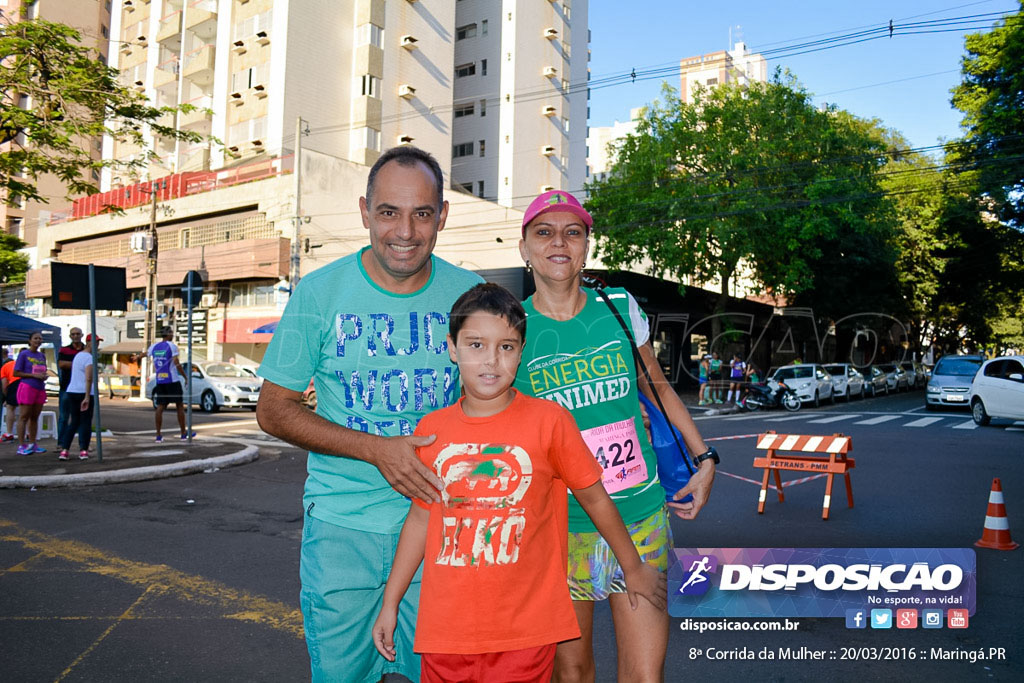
(556, 200)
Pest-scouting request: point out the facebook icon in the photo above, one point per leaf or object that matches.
(856, 618)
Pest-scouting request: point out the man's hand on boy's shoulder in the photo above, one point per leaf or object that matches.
(648, 582)
(398, 463)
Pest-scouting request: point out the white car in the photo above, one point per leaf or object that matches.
(216, 385)
(810, 381)
(847, 381)
(998, 390)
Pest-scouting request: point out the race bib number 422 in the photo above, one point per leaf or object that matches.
(617, 451)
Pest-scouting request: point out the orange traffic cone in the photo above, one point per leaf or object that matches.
(996, 534)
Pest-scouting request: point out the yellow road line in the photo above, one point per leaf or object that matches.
(145, 594)
(237, 604)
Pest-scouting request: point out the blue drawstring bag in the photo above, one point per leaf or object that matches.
(673, 470)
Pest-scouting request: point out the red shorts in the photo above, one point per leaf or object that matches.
(532, 665)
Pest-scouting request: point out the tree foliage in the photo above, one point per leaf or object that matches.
(991, 97)
(13, 264)
(57, 96)
(753, 175)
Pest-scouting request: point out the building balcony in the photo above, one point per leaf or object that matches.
(170, 27)
(199, 65)
(165, 73)
(201, 16)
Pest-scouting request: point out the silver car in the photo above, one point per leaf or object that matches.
(216, 385)
(847, 381)
(951, 381)
(810, 381)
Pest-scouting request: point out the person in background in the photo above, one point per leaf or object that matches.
(737, 371)
(79, 398)
(169, 375)
(31, 368)
(9, 386)
(705, 366)
(64, 359)
(715, 377)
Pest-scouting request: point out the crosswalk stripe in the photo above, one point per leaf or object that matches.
(742, 417)
(833, 418)
(788, 418)
(923, 422)
(966, 425)
(878, 420)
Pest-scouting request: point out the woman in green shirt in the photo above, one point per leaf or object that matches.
(577, 355)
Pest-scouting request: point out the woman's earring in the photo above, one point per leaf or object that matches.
(583, 267)
(529, 268)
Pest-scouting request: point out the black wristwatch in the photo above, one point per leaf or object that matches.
(709, 454)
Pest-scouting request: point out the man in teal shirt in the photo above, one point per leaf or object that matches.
(370, 330)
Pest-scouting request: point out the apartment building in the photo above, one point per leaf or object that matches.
(737, 65)
(519, 111)
(92, 19)
(600, 153)
(363, 76)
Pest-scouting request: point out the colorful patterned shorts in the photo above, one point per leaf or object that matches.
(594, 572)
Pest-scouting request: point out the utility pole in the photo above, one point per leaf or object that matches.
(293, 278)
(151, 289)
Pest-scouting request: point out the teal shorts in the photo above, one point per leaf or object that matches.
(343, 573)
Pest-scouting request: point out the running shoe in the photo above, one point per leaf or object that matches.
(37, 449)
(63, 455)
(84, 455)
(184, 437)
(25, 450)
(6, 437)
(159, 439)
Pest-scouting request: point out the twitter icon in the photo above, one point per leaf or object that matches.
(881, 618)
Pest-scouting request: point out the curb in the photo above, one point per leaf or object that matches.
(722, 411)
(177, 469)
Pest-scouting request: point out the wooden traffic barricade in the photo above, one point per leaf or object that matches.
(805, 453)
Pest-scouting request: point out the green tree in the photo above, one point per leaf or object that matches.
(56, 96)
(991, 100)
(753, 175)
(13, 264)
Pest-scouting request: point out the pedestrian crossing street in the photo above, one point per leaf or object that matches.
(910, 420)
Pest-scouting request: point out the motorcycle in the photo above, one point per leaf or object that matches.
(760, 396)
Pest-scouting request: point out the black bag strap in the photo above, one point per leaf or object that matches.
(643, 366)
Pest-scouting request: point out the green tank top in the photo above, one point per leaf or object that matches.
(586, 365)
(716, 366)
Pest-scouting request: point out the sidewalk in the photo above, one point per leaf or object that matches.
(126, 457)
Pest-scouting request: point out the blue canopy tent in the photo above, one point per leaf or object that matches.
(15, 329)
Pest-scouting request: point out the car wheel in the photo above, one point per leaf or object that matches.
(208, 402)
(981, 418)
(817, 400)
(832, 397)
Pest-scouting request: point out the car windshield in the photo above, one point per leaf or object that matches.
(960, 367)
(793, 373)
(225, 370)
(835, 369)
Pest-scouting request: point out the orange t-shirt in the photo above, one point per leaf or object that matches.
(7, 371)
(494, 569)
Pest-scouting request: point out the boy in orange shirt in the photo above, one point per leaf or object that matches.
(494, 600)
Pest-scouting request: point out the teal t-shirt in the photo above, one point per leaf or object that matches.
(379, 362)
(586, 365)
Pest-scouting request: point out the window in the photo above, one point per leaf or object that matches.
(250, 129)
(260, 293)
(365, 138)
(370, 34)
(483, 27)
(483, 108)
(105, 31)
(467, 31)
(712, 81)
(483, 67)
(467, 187)
(464, 70)
(482, 143)
(463, 110)
(565, 124)
(463, 150)
(369, 86)
(258, 23)
(480, 189)
(251, 77)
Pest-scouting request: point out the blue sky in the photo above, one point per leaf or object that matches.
(649, 33)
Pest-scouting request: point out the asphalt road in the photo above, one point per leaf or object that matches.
(197, 578)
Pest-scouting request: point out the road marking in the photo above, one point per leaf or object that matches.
(741, 418)
(152, 588)
(966, 425)
(236, 604)
(923, 422)
(208, 425)
(833, 418)
(788, 418)
(730, 438)
(1015, 429)
(878, 420)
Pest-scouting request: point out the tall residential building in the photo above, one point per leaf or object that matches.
(725, 66)
(519, 98)
(92, 19)
(600, 158)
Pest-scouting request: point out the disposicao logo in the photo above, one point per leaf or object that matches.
(819, 582)
(698, 567)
